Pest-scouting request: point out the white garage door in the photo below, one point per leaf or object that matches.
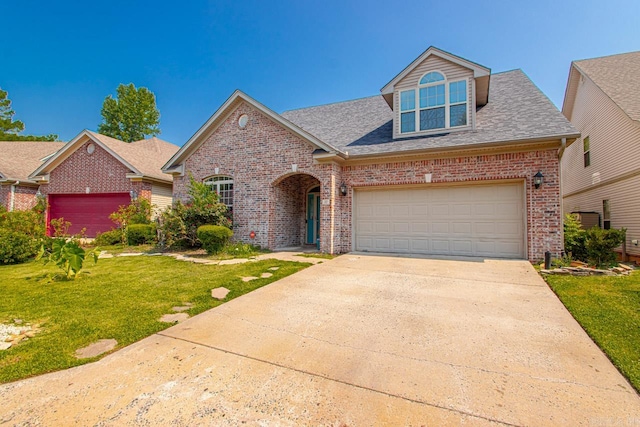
(475, 220)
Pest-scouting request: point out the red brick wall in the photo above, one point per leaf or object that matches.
(258, 157)
(269, 198)
(24, 198)
(99, 171)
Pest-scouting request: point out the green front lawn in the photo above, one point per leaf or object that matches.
(608, 308)
(120, 298)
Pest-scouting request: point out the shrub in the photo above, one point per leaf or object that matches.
(68, 255)
(178, 225)
(574, 238)
(137, 212)
(214, 237)
(16, 247)
(108, 238)
(599, 245)
(138, 234)
(26, 222)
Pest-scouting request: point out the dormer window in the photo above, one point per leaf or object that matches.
(441, 104)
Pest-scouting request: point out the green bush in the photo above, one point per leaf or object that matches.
(600, 244)
(574, 238)
(26, 222)
(214, 237)
(139, 234)
(16, 247)
(108, 238)
(178, 225)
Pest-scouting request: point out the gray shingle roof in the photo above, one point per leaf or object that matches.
(517, 110)
(619, 77)
(19, 158)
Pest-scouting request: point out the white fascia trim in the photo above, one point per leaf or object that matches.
(176, 170)
(478, 70)
(195, 139)
(70, 148)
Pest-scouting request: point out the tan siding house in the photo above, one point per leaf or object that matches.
(602, 101)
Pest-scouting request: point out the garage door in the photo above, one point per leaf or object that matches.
(477, 220)
(90, 211)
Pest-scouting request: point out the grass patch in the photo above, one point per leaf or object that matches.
(317, 255)
(608, 308)
(120, 298)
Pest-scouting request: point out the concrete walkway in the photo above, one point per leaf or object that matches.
(358, 340)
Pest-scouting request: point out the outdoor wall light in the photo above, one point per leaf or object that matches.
(39, 194)
(343, 189)
(133, 194)
(538, 179)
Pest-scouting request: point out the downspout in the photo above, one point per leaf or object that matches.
(12, 199)
(563, 146)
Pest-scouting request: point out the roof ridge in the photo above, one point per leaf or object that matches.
(332, 103)
(607, 56)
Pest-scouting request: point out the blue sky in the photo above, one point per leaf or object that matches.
(59, 60)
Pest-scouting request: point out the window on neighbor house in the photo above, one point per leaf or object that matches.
(586, 151)
(440, 105)
(223, 185)
(606, 215)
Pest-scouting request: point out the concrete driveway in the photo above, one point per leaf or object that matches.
(356, 341)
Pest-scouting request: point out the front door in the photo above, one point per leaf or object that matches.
(313, 217)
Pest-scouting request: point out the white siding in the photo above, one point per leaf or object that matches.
(624, 203)
(451, 71)
(161, 197)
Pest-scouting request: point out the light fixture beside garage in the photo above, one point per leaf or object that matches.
(538, 179)
(343, 189)
(133, 194)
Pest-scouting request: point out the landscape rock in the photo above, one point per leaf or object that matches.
(5, 345)
(249, 278)
(266, 275)
(274, 268)
(96, 349)
(219, 293)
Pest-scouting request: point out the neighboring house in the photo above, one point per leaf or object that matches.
(17, 160)
(441, 162)
(93, 174)
(601, 171)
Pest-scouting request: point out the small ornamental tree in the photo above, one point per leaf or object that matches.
(136, 212)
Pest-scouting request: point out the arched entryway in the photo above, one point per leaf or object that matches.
(296, 207)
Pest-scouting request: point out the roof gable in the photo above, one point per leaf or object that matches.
(143, 158)
(618, 76)
(480, 73)
(174, 164)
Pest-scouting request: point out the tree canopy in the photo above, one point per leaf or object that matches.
(131, 116)
(9, 128)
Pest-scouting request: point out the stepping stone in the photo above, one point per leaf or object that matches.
(274, 268)
(219, 293)
(248, 279)
(174, 318)
(266, 275)
(105, 255)
(182, 307)
(5, 345)
(96, 349)
(131, 254)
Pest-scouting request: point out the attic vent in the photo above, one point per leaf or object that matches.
(91, 148)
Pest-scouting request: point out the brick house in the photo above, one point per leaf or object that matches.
(441, 162)
(93, 174)
(18, 160)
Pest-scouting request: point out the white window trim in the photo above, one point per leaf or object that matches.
(216, 185)
(447, 105)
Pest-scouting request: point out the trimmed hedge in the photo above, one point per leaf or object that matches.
(213, 237)
(139, 234)
(109, 238)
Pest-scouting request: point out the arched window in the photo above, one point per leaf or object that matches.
(223, 185)
(440, 104)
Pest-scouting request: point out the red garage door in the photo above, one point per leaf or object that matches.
(90, 211)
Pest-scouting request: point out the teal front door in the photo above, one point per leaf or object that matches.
(313, 218)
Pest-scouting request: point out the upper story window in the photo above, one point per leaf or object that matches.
(435, 104)
(586, 151)
(223, 186)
